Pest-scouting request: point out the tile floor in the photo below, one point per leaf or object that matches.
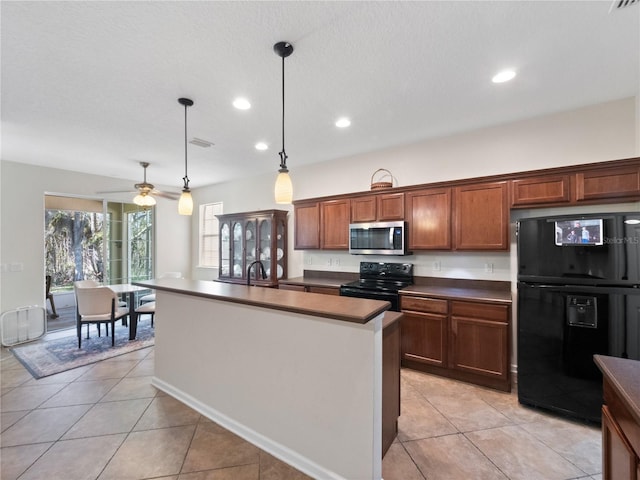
(106, 421)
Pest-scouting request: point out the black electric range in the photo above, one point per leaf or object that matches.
(380, 281)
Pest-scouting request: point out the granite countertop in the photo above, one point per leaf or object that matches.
(460, 293)
(623, 374)
(355, 310)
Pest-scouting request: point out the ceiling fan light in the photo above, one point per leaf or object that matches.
(144, 200)
(185, 204)
(284, 188)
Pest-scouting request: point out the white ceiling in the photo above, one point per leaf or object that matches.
(93, 86)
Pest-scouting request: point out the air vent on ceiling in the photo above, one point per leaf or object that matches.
(200, 143)
(616, 4)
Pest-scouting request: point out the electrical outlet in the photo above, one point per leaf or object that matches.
(436, 266)
(488, 267)
(329, 262)
(336, 262)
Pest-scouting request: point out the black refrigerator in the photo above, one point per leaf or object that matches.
(578, 295)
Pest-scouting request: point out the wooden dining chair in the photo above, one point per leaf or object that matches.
(98, 305)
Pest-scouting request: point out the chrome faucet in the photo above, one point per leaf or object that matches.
(262, 271)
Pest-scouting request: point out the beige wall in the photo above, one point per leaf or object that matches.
(22, 228)
(593, 134)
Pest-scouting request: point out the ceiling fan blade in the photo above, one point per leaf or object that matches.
(117, 191)
(169, 195)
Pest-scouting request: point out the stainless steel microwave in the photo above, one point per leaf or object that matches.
(381, 238)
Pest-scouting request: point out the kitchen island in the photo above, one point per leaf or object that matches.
(297, 374)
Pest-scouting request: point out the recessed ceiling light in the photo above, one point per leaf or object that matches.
(343, 122)
(241, 103)
(503, 76)
(261, 146)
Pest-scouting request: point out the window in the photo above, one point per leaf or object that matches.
(209, 234)
(73, 240)
(140, 237)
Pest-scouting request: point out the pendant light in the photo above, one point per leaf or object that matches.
(284, 188)
(185, 204)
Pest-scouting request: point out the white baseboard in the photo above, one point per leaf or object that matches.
(277, 450)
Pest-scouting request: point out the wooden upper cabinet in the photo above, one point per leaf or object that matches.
(607, 183)
(390, 206)
(307, 226)
(481, 217)
(378, 208)
(540, 190)
(334, 219)
(364, 209)
(429, 219)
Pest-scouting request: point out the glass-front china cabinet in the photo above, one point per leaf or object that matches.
(251, 239)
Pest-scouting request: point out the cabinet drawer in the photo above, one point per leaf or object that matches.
(428, 305)
(487, 311)
(296, 288)
(324, 290)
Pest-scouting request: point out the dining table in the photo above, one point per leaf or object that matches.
(130, 290)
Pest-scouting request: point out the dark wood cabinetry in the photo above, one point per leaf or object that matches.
(607, 183)
(620, 418)
(380, 207)
(307, 226)
(334, 221)
(322, 225)
(249, 237)
(424, 330)
(479, 339)
(481, 217)
(470, 214)
(619, 459)
(310, 289)
(459, 339)
(541, 190)
(429, 219)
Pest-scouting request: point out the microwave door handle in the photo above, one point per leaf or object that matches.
(391, 236)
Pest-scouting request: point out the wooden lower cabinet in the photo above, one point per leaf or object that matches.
(424, 330)
(619, 461)
(458, 339)
(295, 288)
(479, 339)
(324, 290)
(391, 337)
(310, 289)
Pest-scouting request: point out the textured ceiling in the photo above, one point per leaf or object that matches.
(93, 86)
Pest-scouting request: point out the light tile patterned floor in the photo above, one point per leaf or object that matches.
(106, 421)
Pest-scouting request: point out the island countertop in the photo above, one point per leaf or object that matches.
(622, 374)
(347, 309)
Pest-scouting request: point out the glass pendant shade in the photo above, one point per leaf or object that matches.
(185, 204)
(284, 188)
(144, 200)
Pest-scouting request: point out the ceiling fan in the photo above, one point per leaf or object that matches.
(146, 191)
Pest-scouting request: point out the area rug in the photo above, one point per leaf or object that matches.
(48, 357)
